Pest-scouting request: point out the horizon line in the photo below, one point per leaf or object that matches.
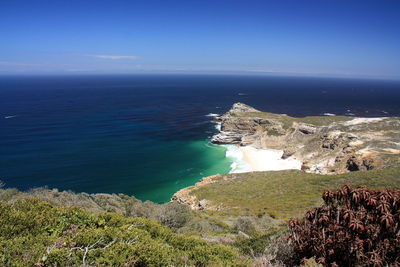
(222, 73)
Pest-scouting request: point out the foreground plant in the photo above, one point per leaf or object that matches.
(355, 227)
(35, 233)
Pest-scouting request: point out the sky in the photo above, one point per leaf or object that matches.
(301, 37)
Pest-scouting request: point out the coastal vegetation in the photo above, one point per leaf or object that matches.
(247, 223)
(288, 120)
(283, 194)
(37, 233)
(354, 227)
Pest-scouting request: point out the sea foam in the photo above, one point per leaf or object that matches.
(212, 115)
(238, 165)
(218, 126)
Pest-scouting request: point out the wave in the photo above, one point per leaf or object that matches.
(209, 144)
(212, 115)
(238, 165)
(329, 114)
(218, 126)
(9, 117)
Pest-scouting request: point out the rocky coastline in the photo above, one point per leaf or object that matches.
(324, 144)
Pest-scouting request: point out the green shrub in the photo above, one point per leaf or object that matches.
(273, 132)
(35, 232)
(174, 215)
(254, 246)
(245, 224)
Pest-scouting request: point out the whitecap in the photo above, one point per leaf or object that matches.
(9, 117)
(329, 114)
(212, 115)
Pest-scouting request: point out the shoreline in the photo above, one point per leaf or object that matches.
(327, 144)
(268, 159)
(251, 159)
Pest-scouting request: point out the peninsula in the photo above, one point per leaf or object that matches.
(316, 146)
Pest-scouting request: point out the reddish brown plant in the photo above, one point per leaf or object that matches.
(355, 227)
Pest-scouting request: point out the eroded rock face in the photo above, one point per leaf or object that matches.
(363, 163)
(325, 144)
(335, 139)
(307, 129)
(228, 138)
(240, 125)
(240, 107)
(185, 197)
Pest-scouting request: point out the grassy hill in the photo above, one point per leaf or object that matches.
(284, 194)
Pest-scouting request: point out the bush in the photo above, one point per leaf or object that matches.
(254, 246)
(245, 224)
(33, 232)
(173, 215)
(8, 194)
(355, 227)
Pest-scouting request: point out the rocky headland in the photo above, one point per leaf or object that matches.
(323, 144)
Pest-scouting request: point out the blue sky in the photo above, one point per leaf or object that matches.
(299, 37)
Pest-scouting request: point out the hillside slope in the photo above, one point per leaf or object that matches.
(279, 194)
(36, 233)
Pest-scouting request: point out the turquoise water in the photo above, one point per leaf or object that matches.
(148, 135)
(192, 161)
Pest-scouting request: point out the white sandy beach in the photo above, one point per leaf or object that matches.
(268, 159)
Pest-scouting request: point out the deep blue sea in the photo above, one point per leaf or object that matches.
(148, 135)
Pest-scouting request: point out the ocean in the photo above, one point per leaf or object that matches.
(148, 135)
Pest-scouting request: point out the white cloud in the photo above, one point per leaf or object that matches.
(110, 56)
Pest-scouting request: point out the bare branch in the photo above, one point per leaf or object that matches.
(109, 244)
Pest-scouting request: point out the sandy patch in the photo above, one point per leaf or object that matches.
(362, 120)
(268, 159)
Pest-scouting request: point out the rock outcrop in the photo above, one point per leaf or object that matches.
(183, 196)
